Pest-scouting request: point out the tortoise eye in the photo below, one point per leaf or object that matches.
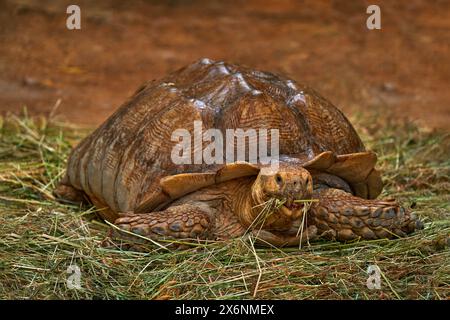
(278, 178)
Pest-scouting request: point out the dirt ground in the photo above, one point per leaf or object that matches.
(404, 67)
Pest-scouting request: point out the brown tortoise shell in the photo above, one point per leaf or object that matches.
(121, 163)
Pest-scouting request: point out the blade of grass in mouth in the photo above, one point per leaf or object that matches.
(307, 200)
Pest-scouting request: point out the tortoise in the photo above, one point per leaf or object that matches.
(326, 181)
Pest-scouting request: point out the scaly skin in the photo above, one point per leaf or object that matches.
(341, 216)
(229, 210)
(182, 221)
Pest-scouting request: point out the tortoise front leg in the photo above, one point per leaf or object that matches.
(342, 216)
(185, 221)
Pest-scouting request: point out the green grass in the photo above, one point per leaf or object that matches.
(40, 238)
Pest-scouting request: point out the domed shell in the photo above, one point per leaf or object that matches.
(121, 163)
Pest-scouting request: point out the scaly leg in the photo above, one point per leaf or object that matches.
(66, 193)
(342, 216)
(185, 221)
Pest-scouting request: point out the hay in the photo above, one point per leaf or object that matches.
(40, 238)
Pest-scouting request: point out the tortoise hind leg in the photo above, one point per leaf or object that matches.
(185, 221)
(66, 193)
(340, 215)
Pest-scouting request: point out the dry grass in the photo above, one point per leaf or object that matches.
(40, 238)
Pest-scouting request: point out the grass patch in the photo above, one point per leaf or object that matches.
(40, 238)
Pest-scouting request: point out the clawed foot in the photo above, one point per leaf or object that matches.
(341, 216)
(177, 222)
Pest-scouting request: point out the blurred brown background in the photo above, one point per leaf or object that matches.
(404, 67)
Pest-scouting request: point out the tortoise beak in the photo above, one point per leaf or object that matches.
(292, 209)
(289, 202)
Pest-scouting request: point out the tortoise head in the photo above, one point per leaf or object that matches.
(281, 188)
(286, 184)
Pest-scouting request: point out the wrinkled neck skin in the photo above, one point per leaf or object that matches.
(247, 203)
(257, 195)
(323, 180)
